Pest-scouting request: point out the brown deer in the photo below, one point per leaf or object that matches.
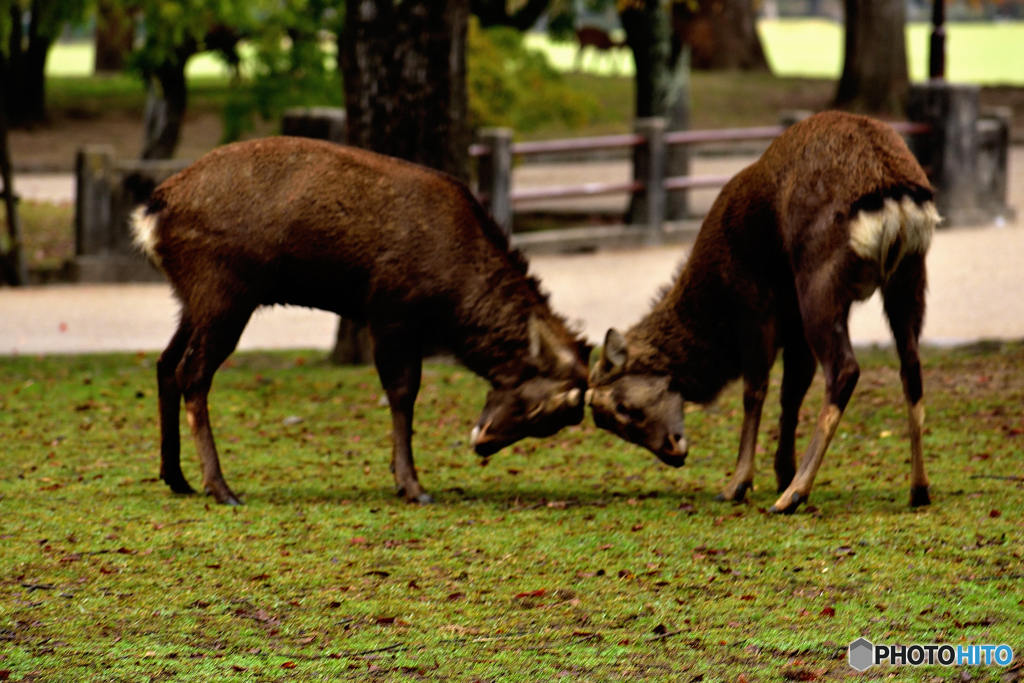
(406, 250)
(835, 208)
(600, 40)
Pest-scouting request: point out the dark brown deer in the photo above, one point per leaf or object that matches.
(600, 40)
(835, 208)
(404, 249)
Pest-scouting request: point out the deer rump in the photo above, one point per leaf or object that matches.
(401, 248)
(836, 208)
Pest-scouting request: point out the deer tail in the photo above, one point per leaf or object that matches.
(144, 221)
(899, 228)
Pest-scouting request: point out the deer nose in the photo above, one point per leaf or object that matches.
(674, 450)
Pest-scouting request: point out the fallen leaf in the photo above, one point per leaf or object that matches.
(288, 665)
(235, 667)
(828, 612)
(260, 577)
(532, 594)
(386, 621)
(606, 546)
(995, 513)
(637, 527)
(455, 596)
(358, 540)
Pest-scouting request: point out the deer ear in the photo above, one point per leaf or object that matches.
(613, 353)
(545, 349)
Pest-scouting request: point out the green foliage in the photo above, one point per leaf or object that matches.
(293, 64)
(578, 553)
(512, 86)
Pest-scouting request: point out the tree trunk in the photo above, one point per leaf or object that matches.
(12, 260)
(165, 111)
(722, 34)
(115, 36)
(495, 13)
(662, 89)
(404, 67)
(22, 69)
(875, 79)
(647, 35)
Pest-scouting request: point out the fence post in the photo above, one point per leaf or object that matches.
(993, 152)
(949, 152)
(648, 206)
(94, 170)
(495, 175)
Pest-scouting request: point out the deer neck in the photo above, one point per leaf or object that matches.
(686, 337)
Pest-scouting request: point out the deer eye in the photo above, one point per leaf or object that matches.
(621, 409)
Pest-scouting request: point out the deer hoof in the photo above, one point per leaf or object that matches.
(789, 509)
(177, 483)
(919, 496)
(423, 499)
(738, 495)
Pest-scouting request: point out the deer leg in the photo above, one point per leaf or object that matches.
(207, 349)
(742, 479)
(798, 371)
(904, 306)
(825, 323)
(399, 365)
(170, 408)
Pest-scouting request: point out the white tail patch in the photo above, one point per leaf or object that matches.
(897, 229)
(144, 232)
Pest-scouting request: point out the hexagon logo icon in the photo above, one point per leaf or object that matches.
(861, 654)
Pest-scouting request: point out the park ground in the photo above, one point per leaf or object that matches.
(574, 558)
(577, 558)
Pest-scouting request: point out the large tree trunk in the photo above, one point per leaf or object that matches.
(22, 68)
(115, 36)
(722, 34)
(165, 108)
(875, 79)
(404, 67)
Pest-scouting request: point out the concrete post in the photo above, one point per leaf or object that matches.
(319, 123)
(495, 175)
(950, 151)
(993, 152)
(677, 157)
(648, 206)
(94, 170)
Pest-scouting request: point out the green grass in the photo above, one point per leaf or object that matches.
(578, 557)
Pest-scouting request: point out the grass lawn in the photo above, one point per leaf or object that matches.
(579, 557)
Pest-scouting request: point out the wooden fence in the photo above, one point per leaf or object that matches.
(964, 152)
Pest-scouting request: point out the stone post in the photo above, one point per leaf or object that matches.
(495, 175)
(94, 171)
(648, 206)
(949, 152)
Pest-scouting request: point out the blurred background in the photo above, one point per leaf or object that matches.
(158, 80)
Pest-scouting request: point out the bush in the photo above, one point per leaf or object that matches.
(512, 86)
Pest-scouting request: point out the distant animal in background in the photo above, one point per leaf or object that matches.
(836, 208)
(601, 41)
(405, 250)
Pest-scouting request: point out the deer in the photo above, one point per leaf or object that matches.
(600, 40)
(406, 250)
(836, 208)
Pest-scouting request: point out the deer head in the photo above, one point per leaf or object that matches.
(547, 398)
(641, 408)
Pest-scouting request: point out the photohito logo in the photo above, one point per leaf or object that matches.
(864, 655)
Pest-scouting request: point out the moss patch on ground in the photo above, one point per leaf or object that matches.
(579, 557)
